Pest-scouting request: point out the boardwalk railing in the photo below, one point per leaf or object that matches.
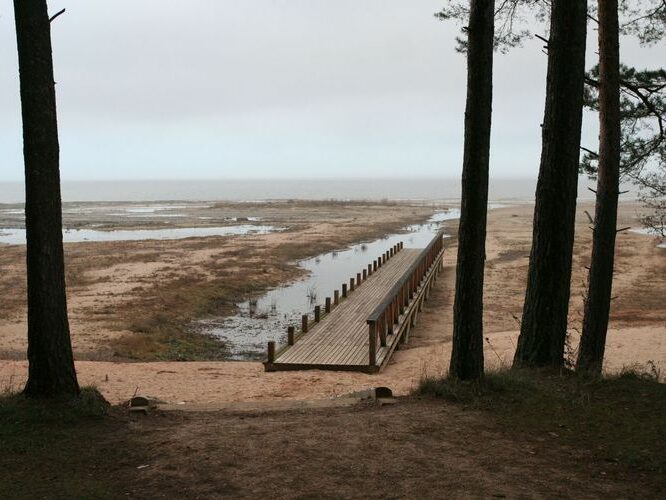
(404, 300)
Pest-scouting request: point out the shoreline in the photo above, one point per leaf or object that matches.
(637, 327)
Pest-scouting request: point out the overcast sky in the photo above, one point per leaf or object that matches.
(271, 88)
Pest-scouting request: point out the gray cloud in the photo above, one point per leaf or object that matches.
(209, 88)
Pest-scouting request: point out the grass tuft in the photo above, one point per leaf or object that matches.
(17, 408)
(504, 382)
(619, 419)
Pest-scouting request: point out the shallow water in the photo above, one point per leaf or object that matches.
(116, 209)
(17, 236)
(247, 333)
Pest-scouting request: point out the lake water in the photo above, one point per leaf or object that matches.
(247, 333)
(17, 236)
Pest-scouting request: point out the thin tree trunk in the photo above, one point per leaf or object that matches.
(51, 364)
(467, 354)
(544, 321)
(597, 305)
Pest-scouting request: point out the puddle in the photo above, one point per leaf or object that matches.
(267, 318)
(17, 236)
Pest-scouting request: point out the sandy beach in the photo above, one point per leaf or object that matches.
(637, 335)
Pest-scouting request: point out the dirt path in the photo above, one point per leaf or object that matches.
(415, 449)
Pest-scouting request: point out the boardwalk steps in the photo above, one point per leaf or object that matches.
(360, 329)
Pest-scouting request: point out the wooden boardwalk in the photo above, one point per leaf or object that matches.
(360, 330)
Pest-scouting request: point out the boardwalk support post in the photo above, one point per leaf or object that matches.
(304, 323)
(344, 290)
(290, 335)
(317, 312)
(327, 305)
(336, 297)
(271, 351)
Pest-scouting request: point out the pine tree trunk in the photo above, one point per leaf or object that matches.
(467, 354)
(51, 364)
(597, 305)
(544, 321)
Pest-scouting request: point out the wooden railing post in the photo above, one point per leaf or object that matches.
(369, 269)
(344, 289)
(271, 351)
(336, 297)
(290, 335)
(389, 317)
(327, 305)
(351, 284)
(358, 279)
(365, 274)
(304, 323)
(372, 343)
(382, 330)
(317, 313)
(374, 265)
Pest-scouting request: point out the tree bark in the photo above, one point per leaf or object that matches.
(597, 305)
(544, 321)
(51, 365)
(467, 353)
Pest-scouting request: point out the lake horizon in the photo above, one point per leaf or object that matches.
(395, 189)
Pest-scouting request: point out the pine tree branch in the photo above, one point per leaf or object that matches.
(51, 19)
